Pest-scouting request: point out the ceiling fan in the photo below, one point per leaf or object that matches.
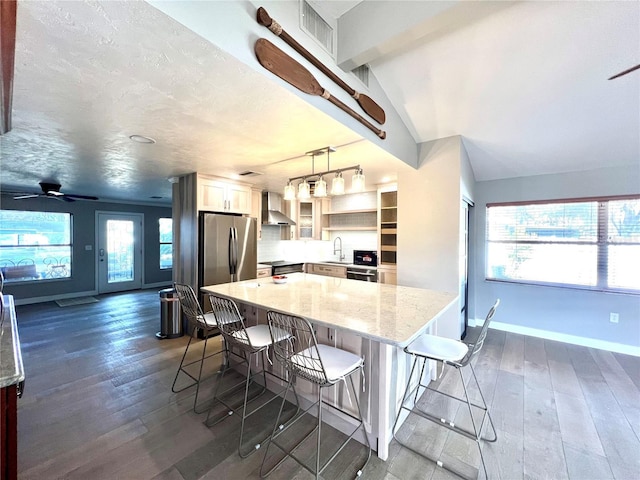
(52, 190)
(628, 70)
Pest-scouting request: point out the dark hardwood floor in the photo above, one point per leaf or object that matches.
(98, 405)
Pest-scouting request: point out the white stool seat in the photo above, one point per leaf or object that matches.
(337, 363)
(456, 355)
(259, 335)
(209, 319)
(438, 348)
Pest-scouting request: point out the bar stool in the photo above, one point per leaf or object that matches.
(323, 365)
(252, 341)
(457, 355)
(197, 320)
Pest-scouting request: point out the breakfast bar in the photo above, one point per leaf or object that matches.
(373, 320)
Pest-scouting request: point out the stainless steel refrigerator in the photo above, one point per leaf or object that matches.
(227, 248)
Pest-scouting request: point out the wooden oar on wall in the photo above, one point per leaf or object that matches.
(285, 67)
(7, 57)
(370, 107)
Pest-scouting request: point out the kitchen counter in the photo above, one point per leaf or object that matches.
(11, 368)
(388, 314)
(372, 320)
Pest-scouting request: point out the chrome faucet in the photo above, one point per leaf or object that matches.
(339, 250)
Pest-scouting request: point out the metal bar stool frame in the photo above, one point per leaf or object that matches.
(252, 341)
(197, 320)
(302, 357)
(463, 360)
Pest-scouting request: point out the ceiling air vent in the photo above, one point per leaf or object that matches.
(362, 73)
(249, 173)
(317, 27)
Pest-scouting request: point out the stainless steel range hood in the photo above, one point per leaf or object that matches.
(272, 210)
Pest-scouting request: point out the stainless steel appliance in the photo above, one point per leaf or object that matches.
(227, 248)
(282, 267)
(367, 258)
(365, 263)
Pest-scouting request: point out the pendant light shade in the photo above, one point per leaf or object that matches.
(320, 188)
(357, 181)
(304, 191)
(337, 185)
(289, 191)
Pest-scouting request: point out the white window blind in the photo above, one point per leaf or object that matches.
(590, 243)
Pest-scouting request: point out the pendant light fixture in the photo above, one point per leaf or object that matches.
(320, 188)
(357, 181)
(337, 185)
(304, 190)
(289, 191)
(320, 185)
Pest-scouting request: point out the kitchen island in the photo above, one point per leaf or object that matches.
(370, 319)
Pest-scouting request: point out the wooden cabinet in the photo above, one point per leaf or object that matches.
(388, 226)
(388, 275)
(327, 270)
(256, 210)
(222, 196)
(308, 217)
(263, 272)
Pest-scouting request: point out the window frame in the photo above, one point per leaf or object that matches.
(602, 243)
(52, 265)
(161, 243)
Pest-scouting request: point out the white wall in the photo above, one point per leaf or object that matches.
(428, 224)
(572, 315)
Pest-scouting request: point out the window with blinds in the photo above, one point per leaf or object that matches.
(588, 243)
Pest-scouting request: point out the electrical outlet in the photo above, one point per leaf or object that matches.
(614, 317)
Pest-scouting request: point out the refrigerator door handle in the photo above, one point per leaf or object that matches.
(232, 269)
(234, 252)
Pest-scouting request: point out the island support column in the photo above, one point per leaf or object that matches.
(384, 400)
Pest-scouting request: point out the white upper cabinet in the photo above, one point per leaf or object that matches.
(223, 196)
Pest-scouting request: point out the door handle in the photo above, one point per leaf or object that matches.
(101, 253)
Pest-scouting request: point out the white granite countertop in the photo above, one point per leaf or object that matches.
(386, 313)
(11, 368)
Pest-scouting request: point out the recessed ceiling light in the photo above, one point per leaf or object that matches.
(142, 139)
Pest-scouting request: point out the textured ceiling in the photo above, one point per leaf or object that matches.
(89, 75)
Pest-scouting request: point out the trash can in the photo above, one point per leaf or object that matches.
(170, 315)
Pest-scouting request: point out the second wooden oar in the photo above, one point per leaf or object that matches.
(370, 107)
(285, 67)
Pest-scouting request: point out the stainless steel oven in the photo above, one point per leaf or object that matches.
(364, 268)
(365, 274)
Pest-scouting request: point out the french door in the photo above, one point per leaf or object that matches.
(119, 251)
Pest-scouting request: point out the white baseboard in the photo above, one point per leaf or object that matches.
(51, 298)
(157, 285)
(560, 337)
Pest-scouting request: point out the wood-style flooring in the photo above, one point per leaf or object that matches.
(98, 405)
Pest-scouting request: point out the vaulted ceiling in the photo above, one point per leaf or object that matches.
(524, 84)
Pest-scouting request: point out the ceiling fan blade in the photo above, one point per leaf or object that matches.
(65, 198)
(81, 197)
(628, 70)
(20, 197)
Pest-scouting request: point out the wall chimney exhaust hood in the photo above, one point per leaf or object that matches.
(272, 210)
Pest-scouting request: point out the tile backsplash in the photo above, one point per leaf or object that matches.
(271, 247)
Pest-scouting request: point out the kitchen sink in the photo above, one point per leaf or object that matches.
(335, 262)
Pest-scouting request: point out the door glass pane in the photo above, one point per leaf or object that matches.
(120, 250)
